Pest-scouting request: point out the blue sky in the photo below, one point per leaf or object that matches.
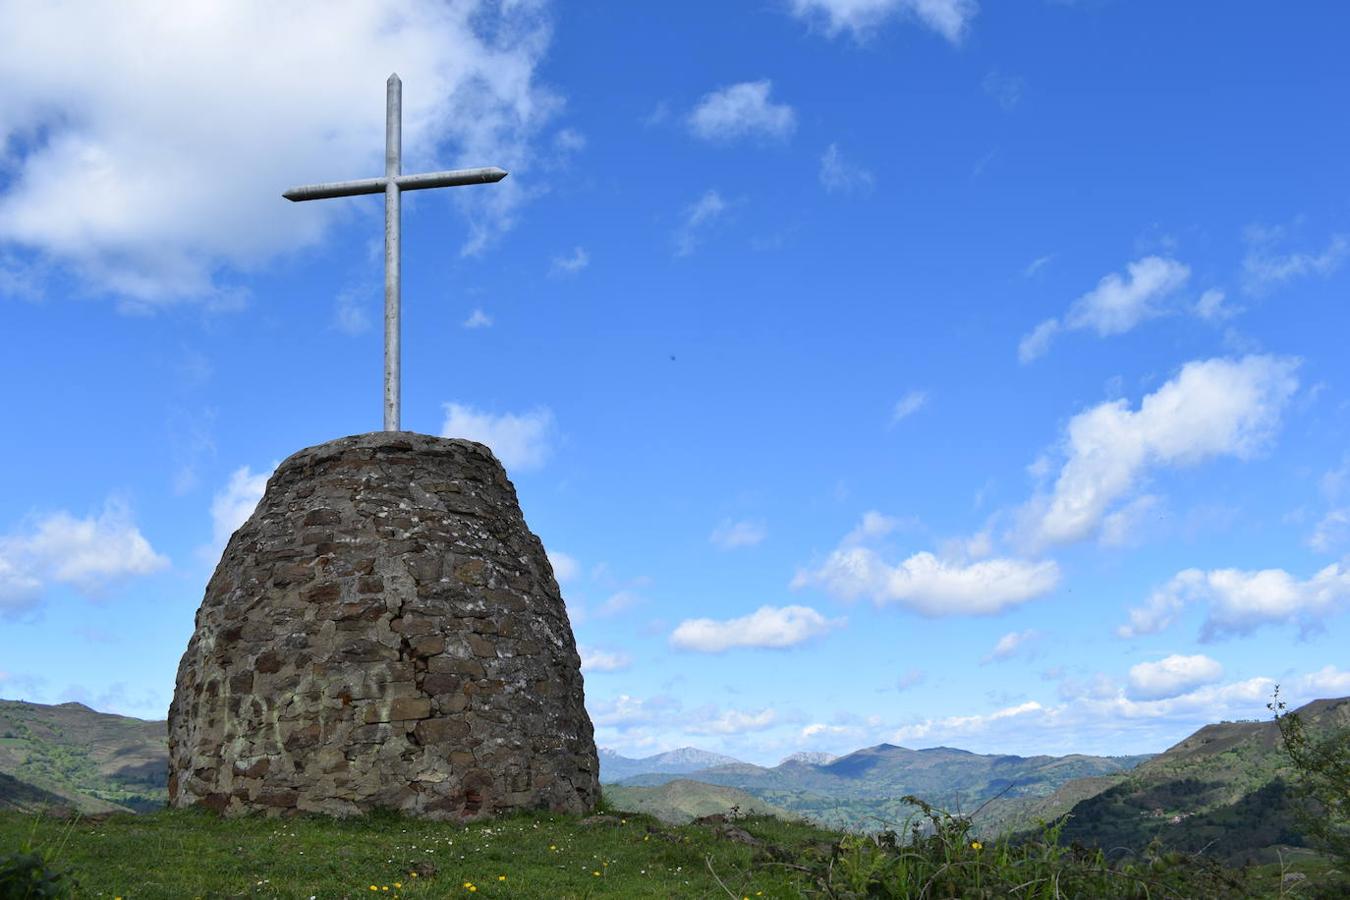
(919, 371)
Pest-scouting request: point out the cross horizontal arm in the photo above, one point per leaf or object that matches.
(450, 178)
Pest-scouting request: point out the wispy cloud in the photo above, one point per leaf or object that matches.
(838, 175)
(1004, 88)
(697, 216)
(729, 535)
(949, 18)
(908, 405)
(570, 263)
(1265, 267)
(478, 319)
(1011, 644)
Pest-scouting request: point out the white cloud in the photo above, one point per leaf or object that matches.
(873, 525)
(741, 110)
(1215, 407)
(1239, 602)
(1264, 268)
(572, 263)
(1036, 343)
(625, 710)
(1122, 527)
(520, 441)
(768, 626)
(1212, 308)
(565, 567)
(618, 602)
(89, 554)
(735, 722)
(1037, 264)
(1328, 681)
(1115, 305)
(233, 504)
(816, 729)
(1010, 644)
(932, 586)
(908, 405)
(949, 18)
(594, 659)
(1172, 676)
(838, 175)
(1332, 531)
(478, 319)
(148, 147)
(729, 535)
(697, 216)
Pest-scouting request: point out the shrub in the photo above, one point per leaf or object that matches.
(27, 875)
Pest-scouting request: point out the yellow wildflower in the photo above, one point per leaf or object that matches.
(976, 845)
(501, 877)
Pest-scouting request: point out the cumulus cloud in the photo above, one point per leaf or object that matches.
(908, 405)
(729, 535)
(929, 585)
(768, 626)
(1172, 676)
(838, 175)
(89, 554)
(521, 441)
(697, 216)
(594, 659)
(115, 171)
(1215, 407)
(570, 263)
(1010, 645)
(741, 110)
(1115, 305)
(1238, 602)
(949, 18)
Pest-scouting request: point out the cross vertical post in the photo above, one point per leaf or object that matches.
(393, 167)
(392, 185)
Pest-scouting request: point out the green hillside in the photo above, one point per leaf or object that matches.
(1224, 787)
(91, 761)
(682, 801)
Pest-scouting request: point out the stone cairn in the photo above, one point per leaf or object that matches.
(383, 632)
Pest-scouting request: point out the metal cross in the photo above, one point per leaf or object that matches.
(392, 185)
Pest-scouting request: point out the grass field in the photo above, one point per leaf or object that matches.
(190, 854)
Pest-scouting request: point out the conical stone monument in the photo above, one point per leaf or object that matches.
(383, 632)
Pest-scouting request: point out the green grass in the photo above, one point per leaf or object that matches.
(185, 854)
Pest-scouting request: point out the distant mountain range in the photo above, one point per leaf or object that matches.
(863, 789)
(1222, 788)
